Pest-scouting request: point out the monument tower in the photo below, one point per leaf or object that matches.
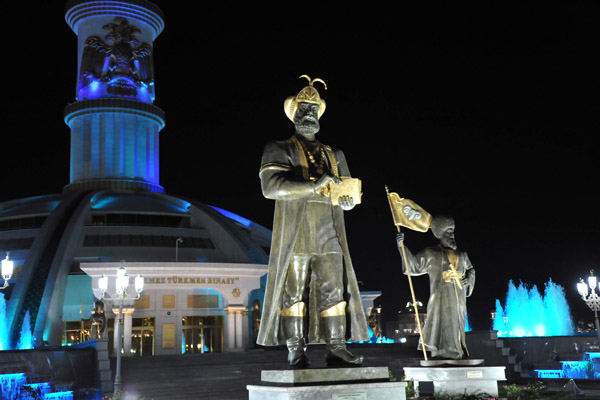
(114, 123)
(114, 211)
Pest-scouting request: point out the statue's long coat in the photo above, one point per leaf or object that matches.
(284, 173)
(444, 330)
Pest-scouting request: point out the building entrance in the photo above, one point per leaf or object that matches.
(202, 335)
(142, 336)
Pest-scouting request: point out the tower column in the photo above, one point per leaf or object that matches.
(114, 123)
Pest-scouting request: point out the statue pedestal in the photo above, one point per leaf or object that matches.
(456, 380)
(104, 372)
(360, 383)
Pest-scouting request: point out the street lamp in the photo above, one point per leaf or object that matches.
(179, 240)
(588, 294)
(7, 270)
(121, 294)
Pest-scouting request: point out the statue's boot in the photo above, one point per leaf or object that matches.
(334, 330)
(293, 328)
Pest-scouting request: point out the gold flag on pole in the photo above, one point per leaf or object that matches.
(409, 214)
(404, 212)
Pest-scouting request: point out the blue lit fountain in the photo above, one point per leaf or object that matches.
(3, 325)
(527, 313)
(12, 385)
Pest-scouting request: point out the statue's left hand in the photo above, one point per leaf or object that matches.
(346, 202)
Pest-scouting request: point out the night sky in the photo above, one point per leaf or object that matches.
(490, 115)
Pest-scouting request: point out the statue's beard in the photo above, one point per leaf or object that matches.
(449, 244)
(308, 126)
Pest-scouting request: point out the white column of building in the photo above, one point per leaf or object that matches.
(235, 328)
(127, 331)
(230, 336)
(239, 331)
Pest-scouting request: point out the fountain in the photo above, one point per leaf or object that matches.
(26, 339)
(528, 313)
(15, 385)
(3, 324)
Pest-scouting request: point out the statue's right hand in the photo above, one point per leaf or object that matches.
(326, 180)
(399, 238)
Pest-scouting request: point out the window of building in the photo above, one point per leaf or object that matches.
(74, 332)
(202, 334)
(146, 241)
(129, 219)
(22, 223)
(203, 301)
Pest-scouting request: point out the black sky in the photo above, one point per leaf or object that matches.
(488, 114)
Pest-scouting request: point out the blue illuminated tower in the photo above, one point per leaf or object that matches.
(113, 208)
(114, 123)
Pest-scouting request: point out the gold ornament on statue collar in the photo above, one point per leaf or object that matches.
(307, 95)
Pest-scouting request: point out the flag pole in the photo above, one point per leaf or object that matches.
(412, 291)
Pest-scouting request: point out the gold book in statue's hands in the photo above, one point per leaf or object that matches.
(351, 187)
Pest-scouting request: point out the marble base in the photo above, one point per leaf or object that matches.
(471, 362)
(458, 380)
(295, 377)
(361, 383)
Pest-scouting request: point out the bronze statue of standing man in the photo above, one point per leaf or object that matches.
(451, 281)
(312, 293)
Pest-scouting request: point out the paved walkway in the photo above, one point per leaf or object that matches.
(226, 375)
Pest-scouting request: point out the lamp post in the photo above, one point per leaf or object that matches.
(588, 294)
(7, 270)
(179, 240)
(121, 294)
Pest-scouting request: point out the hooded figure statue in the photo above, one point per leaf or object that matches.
(312, 293)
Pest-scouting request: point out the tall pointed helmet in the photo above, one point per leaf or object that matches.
(307, 95)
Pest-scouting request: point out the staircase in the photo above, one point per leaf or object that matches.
(487, 346)
(226, 375)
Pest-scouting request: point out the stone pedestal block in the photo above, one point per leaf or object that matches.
(328, 384)
(104, 371)
(458, 380)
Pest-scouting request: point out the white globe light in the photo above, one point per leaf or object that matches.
(7, 267)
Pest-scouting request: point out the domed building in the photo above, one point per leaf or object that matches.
(202, 266)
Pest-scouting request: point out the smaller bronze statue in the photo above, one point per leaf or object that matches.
(98, 320)
(451, 281)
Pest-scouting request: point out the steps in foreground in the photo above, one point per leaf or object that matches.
(226, 375)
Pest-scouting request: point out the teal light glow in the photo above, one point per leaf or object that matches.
(10, 384)
(232, 216)
(527, 313)
(26, 340)
(549, 373)
(3, 325)
(94, 86)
